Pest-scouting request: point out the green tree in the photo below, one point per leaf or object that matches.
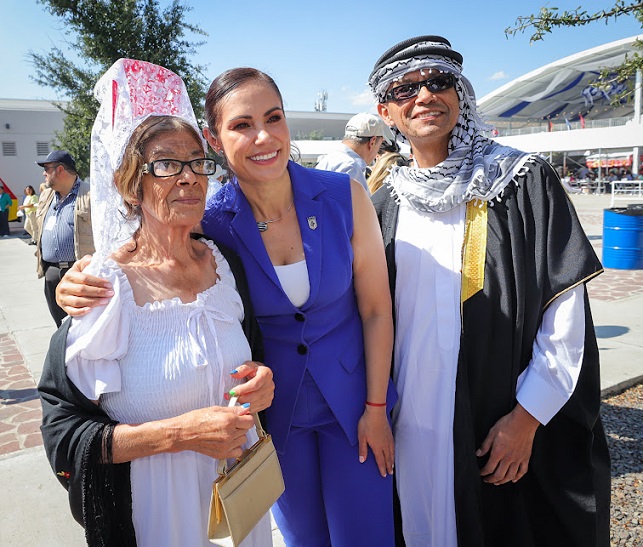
(548, 19)
(101, 32)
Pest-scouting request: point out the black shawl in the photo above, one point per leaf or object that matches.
(536, 249)
(76, 435)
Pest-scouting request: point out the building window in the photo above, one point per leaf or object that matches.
(9, 149)
(42, 149)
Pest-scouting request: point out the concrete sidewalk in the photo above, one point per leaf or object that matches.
(34, 506)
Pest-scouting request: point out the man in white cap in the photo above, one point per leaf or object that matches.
(362, 139)
(498, 438)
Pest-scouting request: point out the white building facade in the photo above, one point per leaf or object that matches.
(27, 130)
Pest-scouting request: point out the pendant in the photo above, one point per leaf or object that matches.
(262, 226)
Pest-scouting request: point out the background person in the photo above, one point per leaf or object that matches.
(497, 430)
(313, 254)
(28, 208)
(363, 136)
(132, 393)
(382, 167)
(63, 224)
(5, 203)
(388, 146)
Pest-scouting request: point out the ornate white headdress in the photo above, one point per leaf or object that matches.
(129, 92)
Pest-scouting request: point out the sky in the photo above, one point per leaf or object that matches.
(309, 46)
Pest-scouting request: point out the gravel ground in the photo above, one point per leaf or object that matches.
(623, 421)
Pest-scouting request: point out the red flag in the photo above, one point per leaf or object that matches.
(582, 121)
(551, 126)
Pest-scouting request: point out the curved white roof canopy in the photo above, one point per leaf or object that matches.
(562, 89)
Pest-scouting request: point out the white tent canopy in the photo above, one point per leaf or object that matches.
(563, 90)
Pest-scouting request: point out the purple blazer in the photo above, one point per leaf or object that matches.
(324, 336)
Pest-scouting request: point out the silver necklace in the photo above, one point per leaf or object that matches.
(262, 225)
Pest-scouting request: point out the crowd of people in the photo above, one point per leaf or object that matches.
(459, 407)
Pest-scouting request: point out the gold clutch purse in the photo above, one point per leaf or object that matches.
(245, 492)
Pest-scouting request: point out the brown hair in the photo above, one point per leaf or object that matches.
(382, 167)
(33, 192)
(225, 83)
(129, 175)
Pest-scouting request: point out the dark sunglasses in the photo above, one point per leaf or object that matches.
(435, 84)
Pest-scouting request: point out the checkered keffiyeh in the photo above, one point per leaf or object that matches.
(477, 167)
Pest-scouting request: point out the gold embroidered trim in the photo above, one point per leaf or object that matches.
(584, 280)
(474, 249)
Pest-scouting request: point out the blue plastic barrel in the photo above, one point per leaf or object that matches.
(623, 238)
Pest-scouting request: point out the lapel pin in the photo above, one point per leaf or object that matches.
(312, 223)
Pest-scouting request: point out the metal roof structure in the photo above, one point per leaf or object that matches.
(563, 90)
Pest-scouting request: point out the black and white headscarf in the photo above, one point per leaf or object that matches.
(477, 168)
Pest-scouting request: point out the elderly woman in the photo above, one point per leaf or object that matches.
(310, 243)
(132, 392)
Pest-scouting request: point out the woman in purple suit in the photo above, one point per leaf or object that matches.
(313, 253)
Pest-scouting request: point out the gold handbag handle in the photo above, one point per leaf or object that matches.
(222, 467)
(261, 432)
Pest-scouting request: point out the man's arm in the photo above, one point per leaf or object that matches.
(542, 390)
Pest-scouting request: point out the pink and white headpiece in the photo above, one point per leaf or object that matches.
(129, 92)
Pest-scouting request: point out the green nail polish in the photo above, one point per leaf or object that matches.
(232, 393)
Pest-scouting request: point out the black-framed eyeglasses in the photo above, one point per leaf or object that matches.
(435, 84)
(51, 166)
(169, 167)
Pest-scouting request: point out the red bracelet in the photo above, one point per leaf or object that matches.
(375, 404)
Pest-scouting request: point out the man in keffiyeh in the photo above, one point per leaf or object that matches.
(498, 434)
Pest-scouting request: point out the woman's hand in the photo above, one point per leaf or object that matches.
(259, 388)
(77, 293)
(374, 430)
(217, 432)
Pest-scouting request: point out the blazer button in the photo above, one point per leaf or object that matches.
(302, 349)
(300, 317)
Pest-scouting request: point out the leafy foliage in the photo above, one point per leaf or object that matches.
(549, 19)
(103, 31)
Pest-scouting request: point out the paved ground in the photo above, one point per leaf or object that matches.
(33, 506)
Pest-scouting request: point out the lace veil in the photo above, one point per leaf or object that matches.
(129, 92)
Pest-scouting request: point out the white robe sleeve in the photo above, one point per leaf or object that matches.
(98, 340)
(549, 380)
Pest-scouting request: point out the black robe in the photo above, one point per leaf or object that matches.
(536, 250)
(73, 431)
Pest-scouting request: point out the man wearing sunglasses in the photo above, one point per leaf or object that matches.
(497, 432)
(64, 224)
